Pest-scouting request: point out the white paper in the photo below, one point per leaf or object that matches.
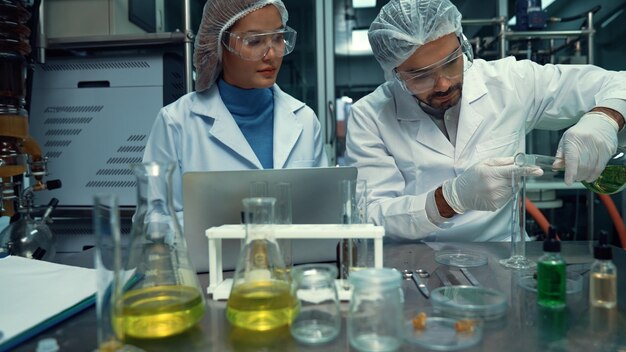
(32, 291)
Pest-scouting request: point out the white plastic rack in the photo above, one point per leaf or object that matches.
(219, 288)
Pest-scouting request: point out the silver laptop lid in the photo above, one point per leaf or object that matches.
(213, 198)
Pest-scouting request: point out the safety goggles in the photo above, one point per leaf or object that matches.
(424, 79)
(254, 46)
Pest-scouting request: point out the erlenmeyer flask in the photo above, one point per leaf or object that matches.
(610, 181)
(260, 298)
(163, 296)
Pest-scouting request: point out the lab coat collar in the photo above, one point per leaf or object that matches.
(470, 118)
(428, 134)
(286, 127)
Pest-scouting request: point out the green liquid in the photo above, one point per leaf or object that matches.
(261, 305)
(551, 284)
(611, 180)
(159, 311)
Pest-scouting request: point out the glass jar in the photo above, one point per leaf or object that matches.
(376, 310)
(319, 318)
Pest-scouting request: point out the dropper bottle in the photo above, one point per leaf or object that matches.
(603, 275)
(551, 274)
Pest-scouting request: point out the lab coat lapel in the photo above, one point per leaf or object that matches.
(469, 118)
(224, 128)
(287, 129)
(428, 133)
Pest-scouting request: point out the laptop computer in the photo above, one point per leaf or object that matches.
(213, 198)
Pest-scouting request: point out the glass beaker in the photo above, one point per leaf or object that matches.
(612, 180)
(319, 319)
(163, 296)
(376, 310)
(518, 258)
(260, 298)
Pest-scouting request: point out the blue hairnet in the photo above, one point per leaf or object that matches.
(402, 26)
(217, 17)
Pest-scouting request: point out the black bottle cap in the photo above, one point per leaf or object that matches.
(602, 250)
(551, 244)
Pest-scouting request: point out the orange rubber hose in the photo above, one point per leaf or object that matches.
(537, 215)
(615, 217)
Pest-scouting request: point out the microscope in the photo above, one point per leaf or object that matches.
(21, 158)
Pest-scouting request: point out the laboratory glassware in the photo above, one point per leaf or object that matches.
(518, 259)
(551, 277)
(603, 275)
(612, 180)
(319, 318)
(260, 298)
(162, 297)
(375, 315)
(30, 237)
(354, 253)
(108, 262)
(282, 212)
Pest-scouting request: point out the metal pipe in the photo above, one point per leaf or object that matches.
(546, 34)
(41, 34)
(590, 42)
(189, 38)
(482, 21)
(503, 42)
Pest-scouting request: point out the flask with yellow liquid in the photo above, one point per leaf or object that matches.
(612, 180)
(162, 297)
(260, 299)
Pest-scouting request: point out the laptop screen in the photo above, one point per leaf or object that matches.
(213, 198)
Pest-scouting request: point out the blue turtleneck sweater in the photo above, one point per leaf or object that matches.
(253, 110)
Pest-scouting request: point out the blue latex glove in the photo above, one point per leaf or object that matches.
(487, 185)
(586, 147)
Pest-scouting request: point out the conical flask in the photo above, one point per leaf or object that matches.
(163, 296)
(260, 298)
(612, 180)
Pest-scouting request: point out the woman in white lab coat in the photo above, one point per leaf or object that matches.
(410, 145)
(237, 118)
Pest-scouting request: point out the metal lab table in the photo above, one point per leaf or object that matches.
(524, 328)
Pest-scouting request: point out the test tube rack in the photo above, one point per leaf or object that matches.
(219, 288)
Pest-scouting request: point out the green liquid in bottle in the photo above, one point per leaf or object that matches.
(612, 180)
(551, 284)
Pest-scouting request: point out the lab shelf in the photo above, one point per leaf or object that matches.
(118, 40)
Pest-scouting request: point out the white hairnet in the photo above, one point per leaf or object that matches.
(218, 16)
(402, 26)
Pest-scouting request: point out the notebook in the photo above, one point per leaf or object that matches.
(213, 198)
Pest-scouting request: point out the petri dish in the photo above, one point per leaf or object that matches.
(440, 334)
(469, 302)
(461, 258)
(573, 283)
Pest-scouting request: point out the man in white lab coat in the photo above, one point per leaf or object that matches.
(238, 118)
(435, 142)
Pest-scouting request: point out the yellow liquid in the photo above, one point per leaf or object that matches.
(611, 180)
(261, 306)
(603, 290)
(159, 311)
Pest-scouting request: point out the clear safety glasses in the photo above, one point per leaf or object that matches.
(254, 46)
(424, 79)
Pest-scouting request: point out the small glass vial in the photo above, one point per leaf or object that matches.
(376, 310)
(551, 274)
(603, 275)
